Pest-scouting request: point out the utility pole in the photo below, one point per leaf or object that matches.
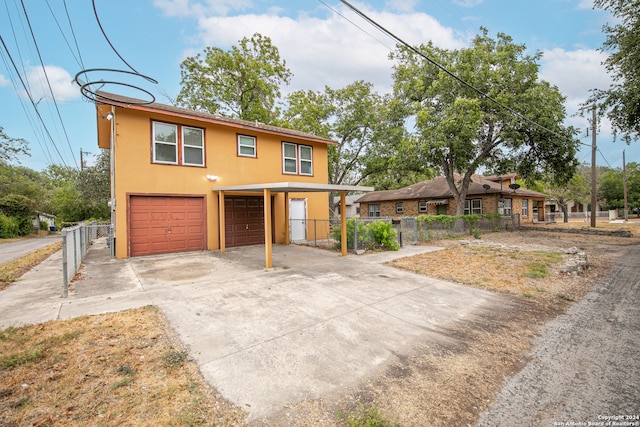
(82, 159)
(593, 168)
(624, 186)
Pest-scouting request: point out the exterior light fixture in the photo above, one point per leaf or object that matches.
(109, 115)
(212, 177)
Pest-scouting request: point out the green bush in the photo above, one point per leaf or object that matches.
(372, 236)
(9, 226)
(22, 209)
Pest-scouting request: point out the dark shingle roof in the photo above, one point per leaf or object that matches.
(138, 104)
(438, 188)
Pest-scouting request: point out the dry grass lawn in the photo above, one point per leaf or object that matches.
(121, 369)
(12, 271)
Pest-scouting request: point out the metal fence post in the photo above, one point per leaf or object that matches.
(65, 284)
(355, 236)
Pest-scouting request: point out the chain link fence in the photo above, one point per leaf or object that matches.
(75, 244)
(366, 234)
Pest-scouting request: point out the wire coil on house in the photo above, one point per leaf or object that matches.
(91, 87)
(89, 90)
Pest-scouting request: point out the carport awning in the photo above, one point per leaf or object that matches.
(285, 187)
(438, 202)
(292, 187)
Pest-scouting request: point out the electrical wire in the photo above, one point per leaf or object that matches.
(35, 107)
(87, 85)
(73, 33)
(44, 70)
(64, 37)
(451, 74)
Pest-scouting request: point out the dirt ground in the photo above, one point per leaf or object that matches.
(445, 384)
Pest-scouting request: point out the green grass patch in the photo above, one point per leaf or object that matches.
(366, 417)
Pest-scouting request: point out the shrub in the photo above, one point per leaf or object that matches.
(21, 208)
(9, 226)
(375, 235)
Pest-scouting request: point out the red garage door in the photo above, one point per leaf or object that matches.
(244, 221)
(165, 224)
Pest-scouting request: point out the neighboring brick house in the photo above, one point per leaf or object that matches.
(486, 195)
(185, 180)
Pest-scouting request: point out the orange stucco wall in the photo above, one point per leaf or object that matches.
(136, 174)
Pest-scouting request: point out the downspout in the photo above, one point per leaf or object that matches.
(112, 176)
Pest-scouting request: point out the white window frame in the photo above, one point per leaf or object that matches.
(175, 145)
(525, 207)
(374, 209)
(254, 147)
(305, 161)
(298, 159)
(285, 158)
(399, 207)
(503, 209)
(422, 206)
(473, 208)
(185, 145)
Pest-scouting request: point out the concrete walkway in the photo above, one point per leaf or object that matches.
(315, 324)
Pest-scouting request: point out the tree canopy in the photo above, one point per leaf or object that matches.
(243, 82)
(460, 131)
(621, 101)
(11, 148)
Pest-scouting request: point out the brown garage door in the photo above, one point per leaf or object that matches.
(165, 224)
(244, 221)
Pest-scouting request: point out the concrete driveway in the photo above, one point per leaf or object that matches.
(315, 324)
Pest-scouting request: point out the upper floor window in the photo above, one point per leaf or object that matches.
(178, 145)
(246, 146)
(297, 159)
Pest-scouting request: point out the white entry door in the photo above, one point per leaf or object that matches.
(298, 219)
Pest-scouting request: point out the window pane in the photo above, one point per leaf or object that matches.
(193, 156)
(247, 141)
(192, 137)
(166, 153)
(247, 151)
(290, 151)
(164, 132)
(290, 165)
(305, 168)
(305, 153)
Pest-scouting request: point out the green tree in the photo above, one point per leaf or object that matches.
(243, 82)
(22, 209)
(621, 101)
(460, 131)
(23, 181)
(577, 189)
(11, 148)
(93, 185)
(362, 122)
(611, 188)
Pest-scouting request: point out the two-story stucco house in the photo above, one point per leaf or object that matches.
(184, 180)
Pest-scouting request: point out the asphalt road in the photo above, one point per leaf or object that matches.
(14, 250)
(585, 367)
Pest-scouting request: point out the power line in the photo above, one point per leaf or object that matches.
(73, 33)
(451, 74)
(35, 107)
(44, 70)
(64, 37)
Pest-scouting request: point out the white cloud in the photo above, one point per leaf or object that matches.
(3, 81)
(331, 51)
(60, 80)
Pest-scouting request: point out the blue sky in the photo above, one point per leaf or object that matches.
(320, 47)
